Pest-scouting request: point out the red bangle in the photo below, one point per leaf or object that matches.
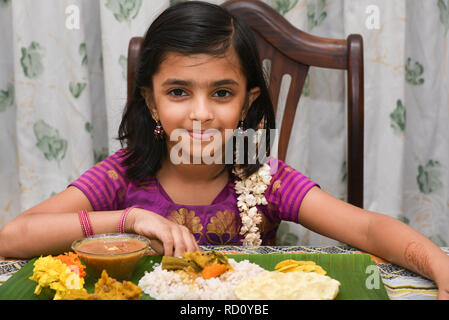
(86, 226)
(121, 223)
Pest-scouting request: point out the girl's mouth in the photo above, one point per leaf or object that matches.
(203, 135)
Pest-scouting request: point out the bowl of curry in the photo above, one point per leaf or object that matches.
(117, 253)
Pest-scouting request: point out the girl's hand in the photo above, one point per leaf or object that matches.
(443, 283)
(175, 238)
(443, 293)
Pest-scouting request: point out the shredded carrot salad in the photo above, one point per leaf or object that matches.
(72, 261)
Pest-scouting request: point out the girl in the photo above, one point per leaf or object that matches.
(199, 70)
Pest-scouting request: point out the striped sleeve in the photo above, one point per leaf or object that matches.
(105, 184)
(286, 190)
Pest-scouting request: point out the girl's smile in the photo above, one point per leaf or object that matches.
(203, 135)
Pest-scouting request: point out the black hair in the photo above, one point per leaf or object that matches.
(191, 27)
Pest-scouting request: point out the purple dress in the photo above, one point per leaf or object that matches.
(107, 188)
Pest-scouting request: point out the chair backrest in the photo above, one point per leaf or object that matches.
(292, 51)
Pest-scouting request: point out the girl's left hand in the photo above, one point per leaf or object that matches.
(443, 281)
(443, 293)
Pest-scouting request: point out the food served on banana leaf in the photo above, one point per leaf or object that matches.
(111, 245)
(290, 265)
(197, 276)
(117, 253)
(64, 274)
(61, 274)
(194, 264)
(107, 288)
(211, 275)
(295, 285)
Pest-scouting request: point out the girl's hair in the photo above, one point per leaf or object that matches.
(191, 27)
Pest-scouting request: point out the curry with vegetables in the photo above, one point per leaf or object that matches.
(198, 264)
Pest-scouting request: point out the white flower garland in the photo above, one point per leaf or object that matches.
(251, 193)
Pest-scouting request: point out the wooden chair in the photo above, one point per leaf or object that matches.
(292, 51)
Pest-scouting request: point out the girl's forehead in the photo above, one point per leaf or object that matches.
(200, 66)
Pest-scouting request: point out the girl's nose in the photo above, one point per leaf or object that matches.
(201, 110)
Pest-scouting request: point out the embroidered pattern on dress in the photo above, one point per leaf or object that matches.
(223, 227)
(112, 174)
(276, 185)
(188, 218)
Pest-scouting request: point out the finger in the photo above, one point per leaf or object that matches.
(168, 242)
(189, 239)
(157, 246)
(443, 295)
(179, 244)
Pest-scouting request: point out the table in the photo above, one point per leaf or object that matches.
(400, 283)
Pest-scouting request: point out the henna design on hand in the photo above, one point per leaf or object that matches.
(416, 255)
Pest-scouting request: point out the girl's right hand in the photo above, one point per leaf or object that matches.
(176, 239)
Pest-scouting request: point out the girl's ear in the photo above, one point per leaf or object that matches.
(252, 95)
(147, 94)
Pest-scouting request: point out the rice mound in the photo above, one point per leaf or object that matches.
(167, 285)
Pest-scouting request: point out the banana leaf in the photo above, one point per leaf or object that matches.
(357, 273)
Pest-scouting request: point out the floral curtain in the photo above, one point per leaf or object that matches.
(63, 89)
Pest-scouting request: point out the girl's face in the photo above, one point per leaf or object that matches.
(199, 92)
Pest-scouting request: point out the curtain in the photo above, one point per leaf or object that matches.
(63, 89)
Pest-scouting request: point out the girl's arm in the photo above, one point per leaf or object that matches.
(376, 233)
(51, 226)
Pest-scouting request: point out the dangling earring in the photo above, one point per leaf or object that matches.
(159, 133)
(241, 130)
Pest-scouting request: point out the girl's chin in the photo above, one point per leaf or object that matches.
(195, 152)
(208, 136)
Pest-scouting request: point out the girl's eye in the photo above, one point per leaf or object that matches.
(177, 92)
(222, 93)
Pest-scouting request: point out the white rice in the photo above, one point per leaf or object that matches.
(167, 285)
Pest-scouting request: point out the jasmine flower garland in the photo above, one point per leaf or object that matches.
(251, 193)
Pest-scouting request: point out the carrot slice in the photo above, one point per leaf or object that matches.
(213, 271)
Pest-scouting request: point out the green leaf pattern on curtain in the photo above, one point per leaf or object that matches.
(49, 141)
(4, 3)
(76, 88)
(83, 53)
(413, 72)
(316, 13)
(124, 10)
(100, 155)
(123, 62)
(31, 60)
(429, 177)
(397, 118)
(88, 127)
(284, 6)
(444, 14)
(306, 89)
(7, 97)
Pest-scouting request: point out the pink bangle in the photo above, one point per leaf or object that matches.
(86, 226)
(121, 223)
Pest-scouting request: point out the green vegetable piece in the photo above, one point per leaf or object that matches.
(174, 263)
